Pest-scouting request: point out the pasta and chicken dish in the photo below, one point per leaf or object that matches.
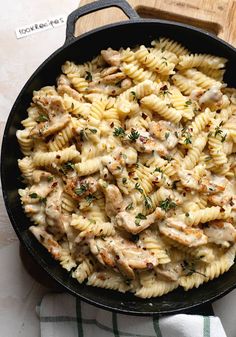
(129, 164)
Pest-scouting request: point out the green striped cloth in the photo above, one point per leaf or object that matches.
(62, 315)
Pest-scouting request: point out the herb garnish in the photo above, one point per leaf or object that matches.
(129, 207)
(80, 190)
(158, 169)
(138, 188)
(218, 131)
(223, 138)
(88, 76)
(188, 138)
(133, 93)
(190, 268)
(138, 218)
(168, 158)
(167, 204)
(174, 184)
(167, 134)
(208, 158)
(90, 198)
(34, 195)
(42, 118)
(93, 130)
(124, 180)
(119, 132)
(43, 200)
(187, 103)
(68, 166)
(82, 135)
(134, 135)
(147, 202)
(164, 90)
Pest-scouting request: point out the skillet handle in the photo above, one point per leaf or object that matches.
(93, 7)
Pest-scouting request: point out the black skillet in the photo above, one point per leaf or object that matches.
(128, 33)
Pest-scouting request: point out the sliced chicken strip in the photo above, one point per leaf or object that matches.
(123, 254)
(134, 224)
(111, 56)
(180, 232)
(221, 233)
(170, 271)
(114, 199)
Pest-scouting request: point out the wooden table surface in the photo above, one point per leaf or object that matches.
(215, 16)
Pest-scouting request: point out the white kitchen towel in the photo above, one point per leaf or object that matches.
(62, 315)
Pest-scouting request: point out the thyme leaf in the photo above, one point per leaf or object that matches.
(88, 76)
(119, 132)
(81, 190)
(167, 204)
(138, 188)
(134, 135)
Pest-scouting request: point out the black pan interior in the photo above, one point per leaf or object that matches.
(124, 34)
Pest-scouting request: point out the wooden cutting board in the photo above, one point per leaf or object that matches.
(215, 16)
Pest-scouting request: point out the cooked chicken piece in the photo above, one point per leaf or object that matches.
(66, 89)
(211, 96)
(119, 159)
(212, 184)
(108, 71)
(222, 198)
(180, 232)
(165, 131)
(123, 264)
(38, 192)
(130, 155)
(125, 156)
(47, 241)
(114, 166)
(39, 175)
(53, 124)
(196, 94)
(102, 250)
(208, 183)
(114, 199)
(188, 179)
(221, 233)
(80, 188)
(111, 56)
(170, 271)
(136, 224)
(101, 88)
(123, 254)
(49, 103)
(126, 84)
(145, 143)
(54, 216)
(63, 80)
(113, 78)
(106, 175)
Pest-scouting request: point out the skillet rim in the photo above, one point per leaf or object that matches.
(30, 249)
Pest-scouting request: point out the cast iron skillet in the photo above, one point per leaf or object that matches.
(128, 33)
